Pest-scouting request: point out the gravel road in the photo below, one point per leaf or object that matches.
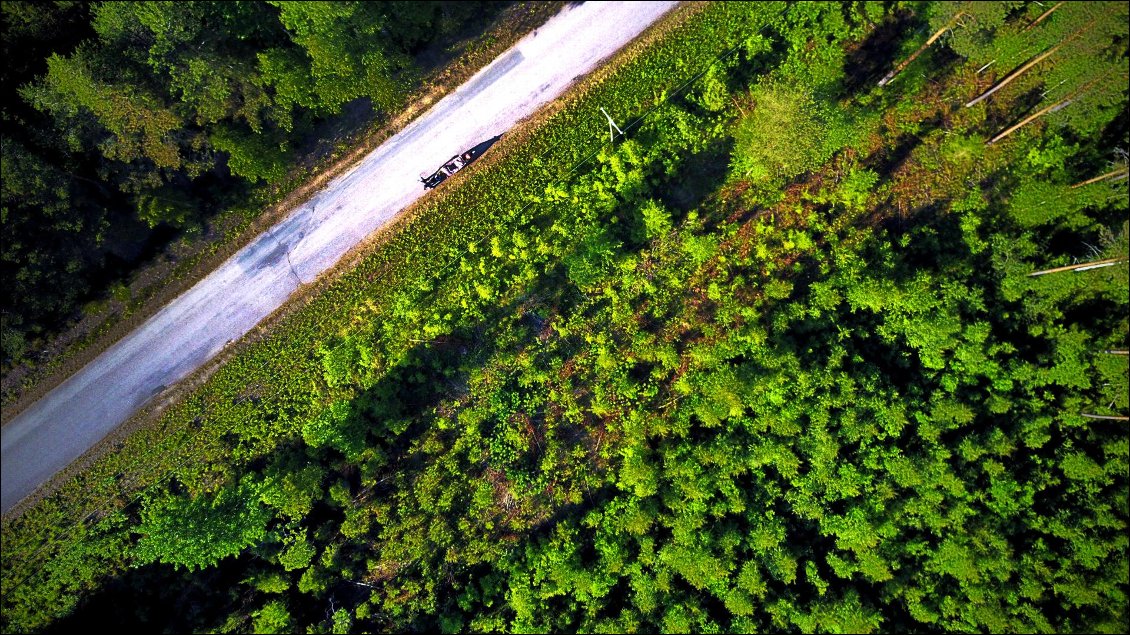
(250, 285)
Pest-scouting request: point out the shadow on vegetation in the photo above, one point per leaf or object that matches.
(155, 599)
(1095, 158)
(888, 160)
(869, 61)
(703, 170)
(391, 415)
(998, 118)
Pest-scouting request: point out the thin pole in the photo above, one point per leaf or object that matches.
(611, 125)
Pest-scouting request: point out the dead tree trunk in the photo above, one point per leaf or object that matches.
(1020, 71)
(1013, 75)
(930, 42)
(1106, 417)
(1043, 15)
(1102, 177)
(1029, 119)
(1043, 111)
(1109, 262)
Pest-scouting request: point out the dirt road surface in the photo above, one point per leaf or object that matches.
(76, 415)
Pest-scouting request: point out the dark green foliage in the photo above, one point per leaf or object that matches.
(197, 533)
(345, 52)
(272, 618)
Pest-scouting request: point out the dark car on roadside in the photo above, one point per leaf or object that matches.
(456, 163)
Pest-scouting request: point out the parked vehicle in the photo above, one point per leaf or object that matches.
(456, 163)
(453, 165)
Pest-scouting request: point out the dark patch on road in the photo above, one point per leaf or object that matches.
(503, 66)
(264, 254)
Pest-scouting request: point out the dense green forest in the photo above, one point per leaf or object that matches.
(774, 359)
(130, 124)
